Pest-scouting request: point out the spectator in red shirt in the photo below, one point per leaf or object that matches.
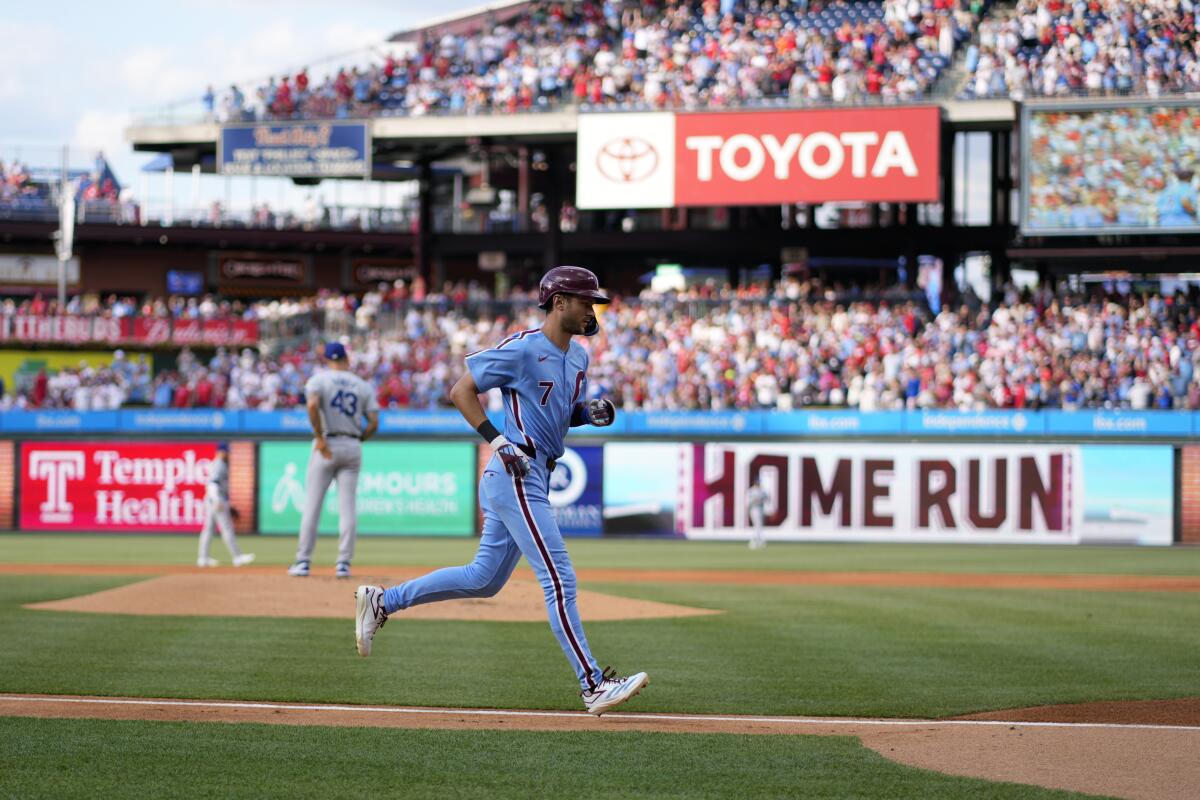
(204, 391)
(40, 387)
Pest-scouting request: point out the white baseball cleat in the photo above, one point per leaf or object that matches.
(243, 559)
(299, 569)
(369, 616)
(343, 569)
(206, 562)
(613, 691)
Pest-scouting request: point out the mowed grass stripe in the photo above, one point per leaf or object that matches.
(41, 548)
(90, 758)
(778, 650)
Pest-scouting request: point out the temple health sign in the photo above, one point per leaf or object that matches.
(305, 150)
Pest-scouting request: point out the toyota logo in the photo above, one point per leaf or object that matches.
(627, 160)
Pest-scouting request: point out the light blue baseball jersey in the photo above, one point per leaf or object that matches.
(541, 386)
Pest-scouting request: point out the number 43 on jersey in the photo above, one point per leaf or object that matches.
(345, 402)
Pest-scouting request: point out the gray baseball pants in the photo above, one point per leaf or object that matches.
(216, 514)
(344, 466)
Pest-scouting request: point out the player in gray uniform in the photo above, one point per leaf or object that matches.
(756, 502)
(338, 402)
(217, 513)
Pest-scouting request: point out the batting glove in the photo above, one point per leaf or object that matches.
(600, 413)
(516, 463)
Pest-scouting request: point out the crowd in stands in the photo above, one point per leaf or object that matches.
(15, 182)
(713, 53)
(116, 306)
(787, 346)
(1087, 47)
(678, 54)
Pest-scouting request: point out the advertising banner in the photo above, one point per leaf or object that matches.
(15, 421)
(63, 329)
(1053, 494)
(143, 331)
(663, 160)
(425, 489)
(1110, 167)
(304, 150)
(21, 269)
(427, 421)
(179, 420)
(641, 488)
(212, 332)
(76, 486)
(151, 330)
(262, 269)
(292, 420)
(577, 491)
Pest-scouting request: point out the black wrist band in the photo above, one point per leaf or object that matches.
(578, 416)
(487, 430)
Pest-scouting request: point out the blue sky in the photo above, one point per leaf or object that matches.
(73, 72)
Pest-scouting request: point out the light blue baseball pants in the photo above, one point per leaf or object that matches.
(517, 520)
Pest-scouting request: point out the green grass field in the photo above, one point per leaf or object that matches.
(127, 759)
(803, 650)
(628, 554)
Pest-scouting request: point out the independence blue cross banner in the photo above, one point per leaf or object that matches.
(306, 150)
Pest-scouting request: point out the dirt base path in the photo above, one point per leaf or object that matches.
(1150, 762)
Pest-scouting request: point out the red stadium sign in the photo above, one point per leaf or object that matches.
(662, 160)
(114, 487)
(243, 331)
(214, 332)
(144, 331)
(152, 330)
(806, 157)
(63, 329)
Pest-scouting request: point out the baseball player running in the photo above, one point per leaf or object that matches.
(338, 401)
(543, 377)
(217, 512)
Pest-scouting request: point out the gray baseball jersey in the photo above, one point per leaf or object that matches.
(345, 400)
(216, 511)
(218, 477)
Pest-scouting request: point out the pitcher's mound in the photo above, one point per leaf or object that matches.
(251, 595)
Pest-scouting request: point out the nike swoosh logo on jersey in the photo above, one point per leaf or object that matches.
(542, 358)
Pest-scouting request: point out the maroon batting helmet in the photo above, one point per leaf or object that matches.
(570, 280)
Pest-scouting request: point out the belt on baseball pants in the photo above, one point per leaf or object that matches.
(344, 436)
(548, 463)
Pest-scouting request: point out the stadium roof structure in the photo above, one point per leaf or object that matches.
(437, 137)
(464, 22)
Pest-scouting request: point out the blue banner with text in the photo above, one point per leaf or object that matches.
(817, 424)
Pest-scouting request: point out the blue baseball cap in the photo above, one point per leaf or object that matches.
(222, 447)
(335, 351)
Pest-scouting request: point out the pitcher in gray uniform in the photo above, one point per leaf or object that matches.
(217, 512)
(338, 402)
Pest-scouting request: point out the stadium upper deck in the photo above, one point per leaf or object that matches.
(559, 59)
